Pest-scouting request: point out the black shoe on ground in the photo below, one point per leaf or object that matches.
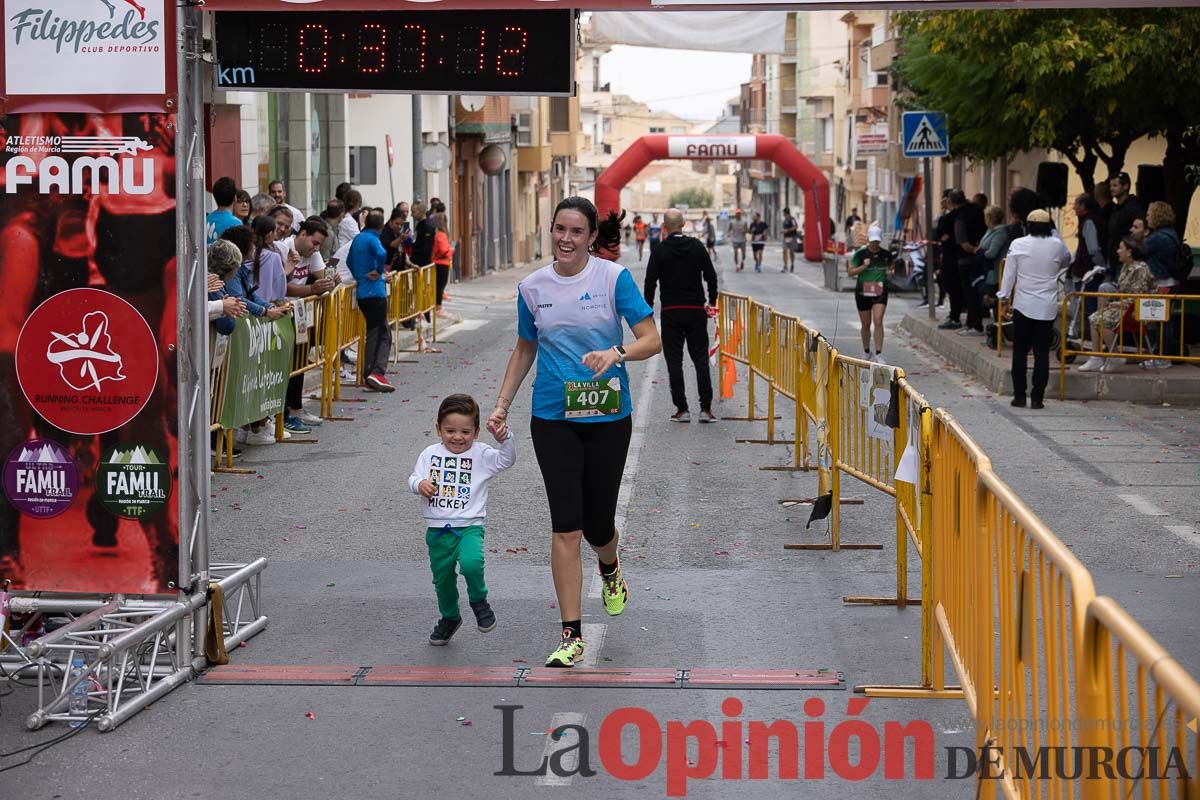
(444, 629)
(707, 416)
(485, 618)
(1017, 402)
(1036, 404)
(682, 416)
(949, 325)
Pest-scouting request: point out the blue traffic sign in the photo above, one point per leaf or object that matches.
(925, 134)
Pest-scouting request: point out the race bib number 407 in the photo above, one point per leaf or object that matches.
(593, 398)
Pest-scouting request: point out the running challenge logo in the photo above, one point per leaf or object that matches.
(81, 47)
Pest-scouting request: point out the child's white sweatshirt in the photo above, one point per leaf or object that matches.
(461, 480)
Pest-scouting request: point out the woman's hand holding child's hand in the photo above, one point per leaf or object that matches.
(499, 429)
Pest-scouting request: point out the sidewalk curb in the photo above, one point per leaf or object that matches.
(1181, 386)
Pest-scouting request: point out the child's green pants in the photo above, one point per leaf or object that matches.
(461, 546)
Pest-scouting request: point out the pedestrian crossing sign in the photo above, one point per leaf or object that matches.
(925, 134)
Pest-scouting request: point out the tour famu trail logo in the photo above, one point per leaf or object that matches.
(41, 479)
(81, 32)
(133, 482)
(86, 359)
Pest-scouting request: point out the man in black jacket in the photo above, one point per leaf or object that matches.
(681, 264)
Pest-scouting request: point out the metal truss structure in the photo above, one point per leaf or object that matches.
(130, 648)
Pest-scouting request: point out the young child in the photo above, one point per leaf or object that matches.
(453, 476)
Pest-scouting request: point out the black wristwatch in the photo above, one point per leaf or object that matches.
(620, 351)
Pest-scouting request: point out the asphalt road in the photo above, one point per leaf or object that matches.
(711, 586)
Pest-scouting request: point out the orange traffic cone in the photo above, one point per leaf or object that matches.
(728, 377)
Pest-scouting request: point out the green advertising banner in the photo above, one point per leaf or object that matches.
(260, 362)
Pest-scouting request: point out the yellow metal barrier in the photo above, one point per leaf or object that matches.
(866, 446)
(1026, 638)
(910, 485)
(786, 357)
(953, 554)
(218, 373)
(744, 339)
(427, 278)
(733, 311)
(307, 353)
(1157, 314)
(1134, 695)
(1041, 661)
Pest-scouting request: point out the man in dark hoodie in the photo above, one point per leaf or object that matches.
(681, 264)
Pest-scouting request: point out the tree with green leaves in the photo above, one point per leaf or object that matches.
(692, 198)
(1084, 82)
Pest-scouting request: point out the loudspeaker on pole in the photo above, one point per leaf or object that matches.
(1151, 184)
(1052, 183)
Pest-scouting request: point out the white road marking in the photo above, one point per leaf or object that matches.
(640, 419)
(811, 285)
(1143, 505)
(569, 762)
(593, 637)
(469, 325)
(1187, 533)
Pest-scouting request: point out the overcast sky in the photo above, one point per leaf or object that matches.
(691, 83)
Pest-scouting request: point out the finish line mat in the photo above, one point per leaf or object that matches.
(524, 676)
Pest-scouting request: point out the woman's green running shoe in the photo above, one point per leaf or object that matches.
(569, 649)
(614, 592)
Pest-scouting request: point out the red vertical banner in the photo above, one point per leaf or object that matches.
(88, 414)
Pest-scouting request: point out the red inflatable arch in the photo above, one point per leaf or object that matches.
(768, 147)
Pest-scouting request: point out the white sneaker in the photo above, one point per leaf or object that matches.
(350, 354)
(261, 437)
(1093, 364)
(348, 374)
(307, 418)
(239, 436)
(1155, 363)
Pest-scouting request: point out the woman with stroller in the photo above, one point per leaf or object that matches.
(1136, 278)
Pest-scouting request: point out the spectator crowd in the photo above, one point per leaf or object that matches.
(264, 253)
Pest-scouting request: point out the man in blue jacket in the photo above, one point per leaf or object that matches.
(367, 261)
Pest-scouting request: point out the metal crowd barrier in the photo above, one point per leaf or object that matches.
(308, 353)
(1041, 661)
(1150, 320)
(1030, 598)
(1137, 696)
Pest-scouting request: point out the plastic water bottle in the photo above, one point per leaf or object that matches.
(77, 704)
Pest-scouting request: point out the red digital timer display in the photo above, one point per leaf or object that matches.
(440, 52)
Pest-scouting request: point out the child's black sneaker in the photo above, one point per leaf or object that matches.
(444, 629)
(485, 618)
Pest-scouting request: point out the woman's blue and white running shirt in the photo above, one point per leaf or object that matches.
(569, 317)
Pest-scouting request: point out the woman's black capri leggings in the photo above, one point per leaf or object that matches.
(443, 277)
(582, 464)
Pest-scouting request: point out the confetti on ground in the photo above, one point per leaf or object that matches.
(310, 715)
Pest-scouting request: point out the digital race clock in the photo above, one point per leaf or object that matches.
(414, 52)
